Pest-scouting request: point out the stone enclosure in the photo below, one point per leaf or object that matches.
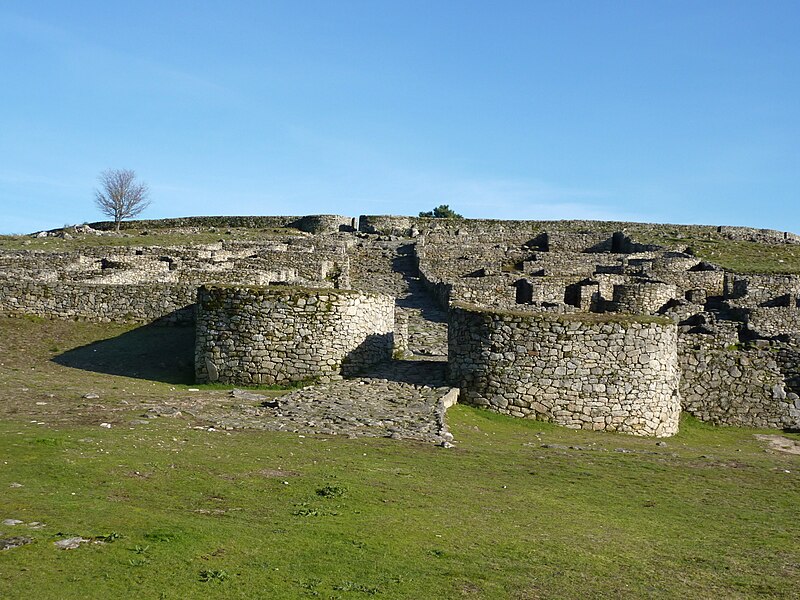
(253, 336)
(582, 372)
(587, 324)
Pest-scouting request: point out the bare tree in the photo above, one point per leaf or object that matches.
(120, 196)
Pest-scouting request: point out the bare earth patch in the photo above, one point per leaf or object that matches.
(779, 443)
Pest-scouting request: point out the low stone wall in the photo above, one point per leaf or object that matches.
(578, 241)
(308, 223)
(754, 289)
(102, 303)
(323, 223)
(748, 234)
(402, 225)
(249, 335)
(580, 371)
(727, 385)
(773, 321)
(251, 222)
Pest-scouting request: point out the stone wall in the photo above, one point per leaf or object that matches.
(729, 385)
(755, 289)
(578, 241)
(116, 283)
(104, 303)
(251, 336)
(402, 225)
(772, 321)
(308, 223)
(580, 371)
(641, 298)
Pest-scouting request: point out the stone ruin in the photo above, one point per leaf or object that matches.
(253, 336)
(578, 322)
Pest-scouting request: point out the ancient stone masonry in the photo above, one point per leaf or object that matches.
(756, 289)
(281, 335)
(641, 297)
(146, 283)
(735, 385)
(308, 223)
(578, 371)
(165, 304)
(401, 225)
(589, 324)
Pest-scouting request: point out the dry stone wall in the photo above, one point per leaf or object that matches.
(754, 289)
(645, 297)
(729, 385)
(576, 370)
(143, 284)
(167, 304)
(308, 223)
(250, 336)
(402, 225)
(772, 321)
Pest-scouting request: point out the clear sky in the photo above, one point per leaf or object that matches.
(684, 112)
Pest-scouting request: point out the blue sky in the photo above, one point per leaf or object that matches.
(685, 112)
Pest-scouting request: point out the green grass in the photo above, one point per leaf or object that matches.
(193, 513)
(738, 256)
(497, 517)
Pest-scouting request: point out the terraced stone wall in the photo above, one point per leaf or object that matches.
(728, 385)
(250, 335)
(580, 371)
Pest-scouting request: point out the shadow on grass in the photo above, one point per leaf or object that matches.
(152, 352)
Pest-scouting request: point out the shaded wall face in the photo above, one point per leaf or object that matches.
(584, 375)
(261, 336)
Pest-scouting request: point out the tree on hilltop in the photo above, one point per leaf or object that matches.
(120, 196)
(443, 211)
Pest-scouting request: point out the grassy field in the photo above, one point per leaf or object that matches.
(738, 256)
(516, 509)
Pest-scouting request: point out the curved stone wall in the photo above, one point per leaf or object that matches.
(581, 371)
(251, 335)
(642, 298)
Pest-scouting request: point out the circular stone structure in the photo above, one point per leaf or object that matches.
(280, 335)
(642, 298)
(580, 370)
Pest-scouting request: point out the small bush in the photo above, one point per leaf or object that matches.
(331, 491)
(213, 575)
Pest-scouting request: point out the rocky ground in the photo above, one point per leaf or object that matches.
(397, 399)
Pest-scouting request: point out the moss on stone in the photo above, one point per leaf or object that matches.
(566, 318)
